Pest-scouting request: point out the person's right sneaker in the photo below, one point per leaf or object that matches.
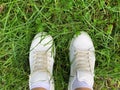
(82, 58)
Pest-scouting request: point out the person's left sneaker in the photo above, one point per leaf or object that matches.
(41, 58)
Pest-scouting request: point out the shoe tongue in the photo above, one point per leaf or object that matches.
(39, 76)
(86, 77)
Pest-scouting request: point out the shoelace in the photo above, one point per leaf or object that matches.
(82, 60)
(40, 61)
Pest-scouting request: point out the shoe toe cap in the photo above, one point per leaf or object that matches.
(83, 41)
(42, 41)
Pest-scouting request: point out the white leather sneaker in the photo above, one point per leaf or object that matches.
(82, 58)
(41, 58)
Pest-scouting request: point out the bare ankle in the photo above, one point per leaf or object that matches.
(38, 89)
(82, 89)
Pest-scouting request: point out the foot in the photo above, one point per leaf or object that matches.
(41, 60)
(82, 58)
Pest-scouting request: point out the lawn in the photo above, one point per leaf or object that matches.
(20, 20)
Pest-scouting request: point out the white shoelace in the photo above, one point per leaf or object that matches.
(82, 60)
(40, 61)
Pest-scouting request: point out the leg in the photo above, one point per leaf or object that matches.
(41, 60)
(38, 89)
(82, 89)
(82, 58)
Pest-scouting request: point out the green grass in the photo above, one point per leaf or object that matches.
(20, 20)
